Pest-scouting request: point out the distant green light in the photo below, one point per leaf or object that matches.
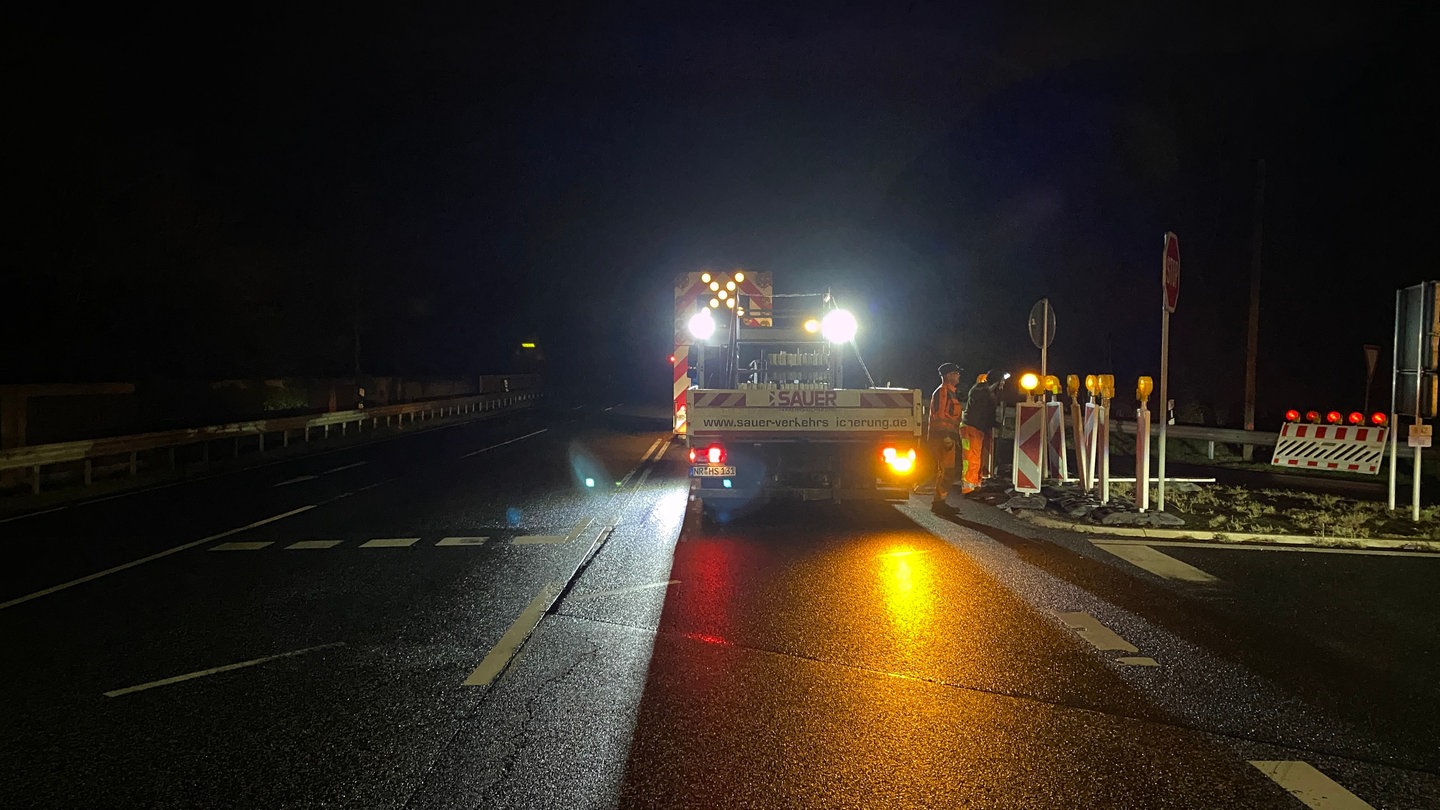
(590, 482)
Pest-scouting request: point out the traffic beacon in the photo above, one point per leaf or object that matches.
(1028, 468)
(1143, 387)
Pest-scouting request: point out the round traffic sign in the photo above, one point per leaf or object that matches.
(1042, 324)
(1171, 272)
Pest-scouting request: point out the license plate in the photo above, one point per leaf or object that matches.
(711, 471)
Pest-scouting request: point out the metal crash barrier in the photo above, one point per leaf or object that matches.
(302, 428)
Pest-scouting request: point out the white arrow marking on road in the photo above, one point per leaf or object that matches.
(167, 552)
(1162, 565)
(297, 480)
(1315, 789)
(215, 670)
(1090, 629)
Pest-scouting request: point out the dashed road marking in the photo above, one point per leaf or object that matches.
(216, 670)
(1100, 636)
(1161, 565)
(307, 544)
(248, 545)
(632, 589)
(390, 542)
(346, 467)
(461, 541)
(297, 479)
(500, 655)
(1309, 785)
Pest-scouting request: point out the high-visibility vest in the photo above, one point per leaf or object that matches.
(945, 411)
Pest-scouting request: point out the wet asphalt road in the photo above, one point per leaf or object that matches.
(337, 630)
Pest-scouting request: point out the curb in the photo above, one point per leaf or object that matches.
(1394, 544)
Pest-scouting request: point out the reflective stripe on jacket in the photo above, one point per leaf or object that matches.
(945, 411)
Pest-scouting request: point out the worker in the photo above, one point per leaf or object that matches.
(944, 431)
(977, 430)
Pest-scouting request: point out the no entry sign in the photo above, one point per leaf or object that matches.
(1171, 274)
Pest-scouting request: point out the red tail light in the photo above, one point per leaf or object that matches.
(1379, 418)
(715, 454)
(1292, 415)
(1333, 417)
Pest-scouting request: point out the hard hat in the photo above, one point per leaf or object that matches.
(946, 368)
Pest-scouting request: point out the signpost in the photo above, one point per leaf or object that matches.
(1042, 334)
(1170, 276)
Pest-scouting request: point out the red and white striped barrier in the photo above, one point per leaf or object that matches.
(1029, 446)
(1330, 447)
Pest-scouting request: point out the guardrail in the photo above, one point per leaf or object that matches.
(88, 451)
(1210, 435)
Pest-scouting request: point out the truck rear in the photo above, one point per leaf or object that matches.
(762, 405)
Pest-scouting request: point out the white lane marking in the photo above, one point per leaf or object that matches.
(461, 541)
(167, 552)
(1161, 565)
(297, 480)
(1137, 662)
(504, 650)
(1217, 546)
(390, 542)
(371, 486)
(660, 445)
(346, 467)
(244, 545)
(304, 544)
(32, 514)
(1315, 789)
(216, 670)
(502, 444)
(1090, 629)
(631, 589)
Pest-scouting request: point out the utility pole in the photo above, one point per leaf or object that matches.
(1252, 341)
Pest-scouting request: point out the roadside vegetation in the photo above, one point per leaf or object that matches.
(1222, 508)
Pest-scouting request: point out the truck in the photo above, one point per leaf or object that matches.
(761, 401)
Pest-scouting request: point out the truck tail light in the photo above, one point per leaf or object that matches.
(901, 461)
(714, 454)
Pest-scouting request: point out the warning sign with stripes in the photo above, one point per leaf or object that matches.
(1330, 447)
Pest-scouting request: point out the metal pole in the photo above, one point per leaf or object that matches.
(1252, 341)
(1164, 405)
(1415, 487)
(1044, 412)
(1394, 385)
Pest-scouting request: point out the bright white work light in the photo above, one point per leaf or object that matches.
(702, 325)
(838, 326)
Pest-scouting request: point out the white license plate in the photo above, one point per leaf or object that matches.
(711, 471)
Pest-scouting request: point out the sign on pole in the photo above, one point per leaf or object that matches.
(1170, 278)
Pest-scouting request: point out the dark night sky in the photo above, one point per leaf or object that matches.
(219, 195)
